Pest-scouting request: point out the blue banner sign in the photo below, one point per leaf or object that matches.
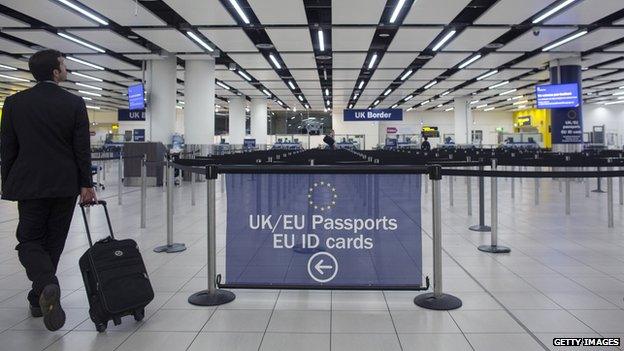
(138, 135)
(373, 115)
(249, 143)
(557, 96)
(136, 97)
(124, 115)
(323, 230)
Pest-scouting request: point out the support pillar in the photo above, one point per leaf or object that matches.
(259, 114)
(567, 123)
(161, 87)
(237, 120)
(199, 93)
(463, 120)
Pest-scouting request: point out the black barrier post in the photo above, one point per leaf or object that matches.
(481, 227)
(143, 190)
(610, 201)
(211, 296)
(119, 179)
(171, 247)
(437, 300)
(598, 184)
(469, 189)
(494, 247)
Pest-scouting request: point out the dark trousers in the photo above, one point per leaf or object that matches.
(41, 233)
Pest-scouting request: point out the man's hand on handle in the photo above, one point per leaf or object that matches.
(87, 196)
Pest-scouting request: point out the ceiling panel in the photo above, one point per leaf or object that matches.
(202, 12)
(414, 39)
(539, 60)
(290, 39)
(349, 60)
(108, 39)
(513, 11)
(619, 47)
(134, 73)
(597, 58)
(124, 12)
(352, 39)
(102, 75)
(426, 74)
(595, 72)
(396, 60)
(264, 74)
(279, 11)
(250, 61)
(585, 12)
(49, 12)
(507, 74)
(357, 11)
(592, 40)
(203, 56)
(434, 11)
(529, 42)
(13, 47)
(169, 39)
(446, 60)
(230, 39)
(344, 74)
(6, 21)
(386, 74)
(10, 61)
(228, 76)
(615, 65)
(108, 62)
(494, 60)
(48, 40)
(467, 74)
(299, 60)
(304, 74)
(473, 39)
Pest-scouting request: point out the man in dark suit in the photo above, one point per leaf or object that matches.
(46, 163)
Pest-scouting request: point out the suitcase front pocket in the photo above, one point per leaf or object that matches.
(122, 290)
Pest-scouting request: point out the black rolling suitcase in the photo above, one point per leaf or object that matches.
(115, 278)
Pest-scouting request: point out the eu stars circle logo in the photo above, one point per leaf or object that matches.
(327, 194)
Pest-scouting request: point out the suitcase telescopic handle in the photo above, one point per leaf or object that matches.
(84, 217)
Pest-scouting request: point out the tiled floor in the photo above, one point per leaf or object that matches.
(563, 278)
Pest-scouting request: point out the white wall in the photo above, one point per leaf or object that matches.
(414, 120)
(612, 117)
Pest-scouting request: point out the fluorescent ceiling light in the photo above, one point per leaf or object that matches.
(489, 109)
(489, 74)
(179, 107)
(244, 75)
(81, 42)
(387, 92)
(300, 97)
(445, 93)
(292, 86)
(508, 92)
(482, 106)
(93, 107)
(14, 78)
(425, 102)
(397, 10)
(499, 85)
(321, 40)
(87, 76)
(449, 109)
(89, 93)
(279, 102)
(222, 85)
(326, 91)
(431, 84)
(407, 74)
(617, 94)
(474, 102)
(552, 11)
(614, 102)
(351, 106)
(87, 98)
(394, 106)
(409, 98)
(517, 97)
(199, 41)
(71, 58)
(240, 11)
(446, 38)
(376, 103)
(277, 64)
(372, 61)
(88, 86)
(440, 105)
(361, 85)
(327, 102)
(521, 102)
(470, 61)
(409, 109)
(84, 12)
(355, 96)
(8, 67)
(307, 106)
(565, 40)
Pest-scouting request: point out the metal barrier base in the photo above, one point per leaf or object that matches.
(494, 249)
(441, 302)
(216, 298)
(598, 191)
(170, 248)
(480, 228)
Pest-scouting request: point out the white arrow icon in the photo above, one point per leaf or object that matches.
(319, 267)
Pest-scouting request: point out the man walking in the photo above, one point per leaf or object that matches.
(46, 163)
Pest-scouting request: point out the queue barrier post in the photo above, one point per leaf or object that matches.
(437, 300)
(120, 179)
(621, 189)
(469, 190)
(212, 296)
(586, 187)
(103, 171)
(171, 247)
(494, 247)
(598, 184)
(192, 188)
(450, 191)
(567, 196)
(481, 227)
(610, 201)
(143, 190)
(165, 178)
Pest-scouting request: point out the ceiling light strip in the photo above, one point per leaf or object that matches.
(565, 40)
(553, 11)
(81, 42)
(89, 14)
(443, 41)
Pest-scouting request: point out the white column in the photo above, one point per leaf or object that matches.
(463, 120)
(237, 120)
(161, 87)
(199, 96)
(259, 116)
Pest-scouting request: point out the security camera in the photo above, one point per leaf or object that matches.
(536, 31)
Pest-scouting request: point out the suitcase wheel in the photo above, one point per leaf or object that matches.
(116, 320)
(139, 315)
(101, 327)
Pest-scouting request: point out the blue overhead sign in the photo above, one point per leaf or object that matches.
(557, 96)
(389, 114)
(124, 115)
(136, 97)
(336, 230)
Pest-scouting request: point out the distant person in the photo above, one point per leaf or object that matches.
(46, 163)
(330, 140)
(425, 146)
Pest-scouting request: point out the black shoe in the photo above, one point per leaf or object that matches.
(50, 302)
(35, 311)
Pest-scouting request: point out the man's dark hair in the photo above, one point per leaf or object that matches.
(43, 63)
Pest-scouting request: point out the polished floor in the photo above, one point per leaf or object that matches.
(563, 278)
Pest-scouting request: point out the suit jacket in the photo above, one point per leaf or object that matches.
(44, 144)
